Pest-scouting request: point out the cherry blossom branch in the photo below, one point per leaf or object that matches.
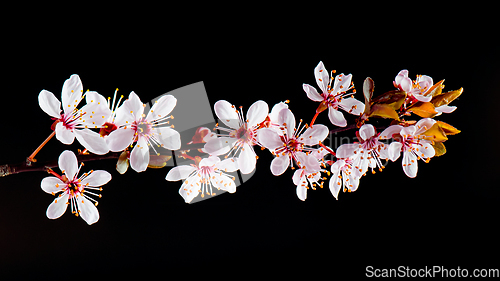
(343, 129)
(28, 166)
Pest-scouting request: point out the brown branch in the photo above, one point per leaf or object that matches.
(28, 166)
(342, 129)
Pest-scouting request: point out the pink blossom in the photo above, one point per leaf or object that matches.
(412, 142)
(201, 177)
(291, 141)
(147, 130)
(242, 133)
(73, 122)
(367, 153)
(415, 89)
(335, 96)
(74, 190)
(343, 177)
(309, 172)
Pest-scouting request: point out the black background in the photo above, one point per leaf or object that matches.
(448, 215)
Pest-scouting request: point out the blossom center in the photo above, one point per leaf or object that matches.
(370, 143)
(68, 120)
(73, 188)
(107, 128)
(244, 135)
(143, 128)
(206, 170)
(333, 101)
(293, 145)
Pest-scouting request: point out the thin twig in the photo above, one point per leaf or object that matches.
(342, 129)
(27, 166)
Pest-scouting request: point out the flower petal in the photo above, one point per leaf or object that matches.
(257, 113)
(367, 131)
(350, 181)
(71, 93)
(134, 105)
(92, 141)
(139, 158)
(335, 184)
(269, 138)
(125, 114)
(322, 77)
(302, 192)
(161, 108)
(227, 114)
(311, 92)
(49, 103)
(360, 163)
(336, 117)
(352, 105)
(188, 190)
(337, 166)
(405, 84)
(209, 161)
(402, 74)
(273, 115)
(57, 208)
(120, 138)
(346, 150)
(68, 163)
(389, 131)
(426, 150)
(247, 159)
(219, 146)
(408, 131)
(393, 151)
(445, 109)
(97, 178)
(94, 115)
(168, 137)
(307, 162)
(179, 172)
(287, 119)
(94, 98)
(422, 98)
(341, 83)
(313, 135)
(410, 164)
(223, 182)
(298, 177)
(64, 134)
(88, 211)
(52, 185)
(227, 165)
(279, 165)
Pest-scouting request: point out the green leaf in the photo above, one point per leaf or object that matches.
(439, 148)
(435, 133)
(122, 164)
(158, 161)
(446, 98)
(368, 87)
(435, 90)
(448, 129)
(384, 111)
(423, 109)
(393, 98)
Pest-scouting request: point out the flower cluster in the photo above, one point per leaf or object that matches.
(300, 147)
(118, 128)
(384, 126)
